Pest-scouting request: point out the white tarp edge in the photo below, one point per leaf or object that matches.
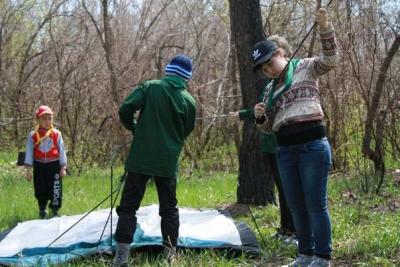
(203, 225)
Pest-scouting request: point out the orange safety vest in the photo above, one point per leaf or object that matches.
(52, 153)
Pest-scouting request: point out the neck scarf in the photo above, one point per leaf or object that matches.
(40, 139)
(274, 95)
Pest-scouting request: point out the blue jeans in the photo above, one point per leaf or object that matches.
(304, 172)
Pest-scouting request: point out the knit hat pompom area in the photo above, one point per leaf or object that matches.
(181, 65)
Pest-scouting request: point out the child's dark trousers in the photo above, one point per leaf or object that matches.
(47, 184)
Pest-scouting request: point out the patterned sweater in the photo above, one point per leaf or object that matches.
(300, 103)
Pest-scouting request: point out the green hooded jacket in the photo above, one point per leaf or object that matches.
(268, 141)
(166, 118)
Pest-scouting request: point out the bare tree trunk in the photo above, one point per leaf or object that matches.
(377, 155)
(108, 48)
(254, 186)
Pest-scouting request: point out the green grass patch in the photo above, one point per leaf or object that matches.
(366, 228)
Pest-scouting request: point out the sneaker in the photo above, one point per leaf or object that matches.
(121, 255)
(320, 262)
(301, 261)
(280, 235)
(54, 213)
(42, 214)
(290, 239)
(170, 254)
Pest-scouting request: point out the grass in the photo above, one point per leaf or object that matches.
(366, 228)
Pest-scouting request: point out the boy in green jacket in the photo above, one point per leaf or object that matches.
(166, 118)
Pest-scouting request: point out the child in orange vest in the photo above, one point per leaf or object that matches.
(46, 154)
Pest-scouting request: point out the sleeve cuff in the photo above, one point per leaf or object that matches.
(246, 114)
(328, 30)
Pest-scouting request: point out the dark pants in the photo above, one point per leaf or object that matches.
(132, 195)
(47, 184)
(287, 225)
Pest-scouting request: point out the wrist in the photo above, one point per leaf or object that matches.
(325, 27)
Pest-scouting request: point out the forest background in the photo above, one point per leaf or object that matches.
(83, 57)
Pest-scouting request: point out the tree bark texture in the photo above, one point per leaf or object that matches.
(255, 186)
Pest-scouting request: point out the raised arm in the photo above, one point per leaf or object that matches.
(329, 56)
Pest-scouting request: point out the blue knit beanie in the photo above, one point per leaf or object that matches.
(180, 65)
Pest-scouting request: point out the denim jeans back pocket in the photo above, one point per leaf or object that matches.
(320, 147)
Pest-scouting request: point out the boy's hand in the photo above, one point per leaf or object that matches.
(28, 174)
(321, 18)
(259, 110)
(63, 172)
